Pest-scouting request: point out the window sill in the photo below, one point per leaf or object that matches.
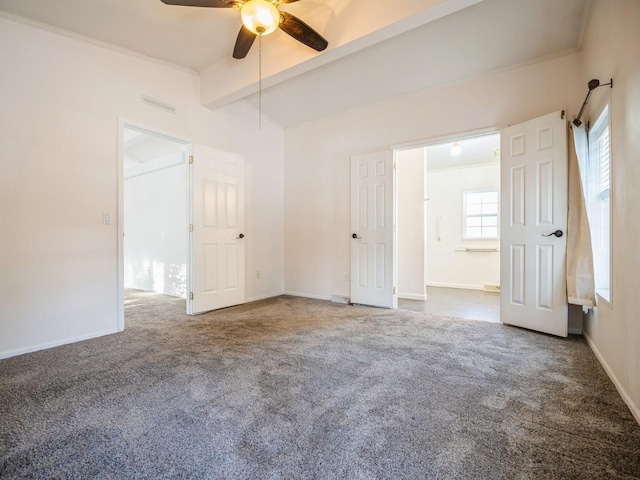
(603, 297)
(480, 239)
(477, 248)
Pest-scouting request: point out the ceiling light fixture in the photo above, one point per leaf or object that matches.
(260, 16)
(456, 149)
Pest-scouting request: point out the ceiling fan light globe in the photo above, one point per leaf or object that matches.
(260, 16)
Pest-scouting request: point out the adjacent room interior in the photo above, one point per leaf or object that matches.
(155, 213)
(448, 214)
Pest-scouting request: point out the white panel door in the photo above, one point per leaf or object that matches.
(217, 239)
(534, 222)
(372, 230)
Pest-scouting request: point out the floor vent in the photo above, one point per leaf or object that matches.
(154, 102)
(490, 287)
(340, 299)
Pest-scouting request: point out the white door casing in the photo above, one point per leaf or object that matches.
(533, 206)
(373, 274)
(217, 246)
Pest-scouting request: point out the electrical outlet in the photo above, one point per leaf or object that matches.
(258, 274)
(106, 218)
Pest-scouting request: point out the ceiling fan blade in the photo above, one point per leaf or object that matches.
(243, 42)
(302, 32)
(201, 3)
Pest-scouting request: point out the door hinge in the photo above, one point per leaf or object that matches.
(191, 227)
(562, 115)
(190, 295)
(394, 290)
(190, 159)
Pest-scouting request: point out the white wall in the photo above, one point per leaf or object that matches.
(61, 102)
(410, 188)
(155, 226)
(317, 176)
(612, 50)
(446, 266)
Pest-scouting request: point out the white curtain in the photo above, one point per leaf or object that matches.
(580, 277)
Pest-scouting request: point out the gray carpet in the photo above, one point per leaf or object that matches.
(292, 388)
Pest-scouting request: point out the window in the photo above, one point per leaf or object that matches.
(597, 198)
(480, 214)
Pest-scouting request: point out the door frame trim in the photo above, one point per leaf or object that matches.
(426, 142)
(122, 124)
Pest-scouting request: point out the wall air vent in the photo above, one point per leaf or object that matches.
(154, 102)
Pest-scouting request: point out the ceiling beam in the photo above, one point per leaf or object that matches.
(348, 25)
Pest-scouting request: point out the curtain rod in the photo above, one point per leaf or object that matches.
(593, 84)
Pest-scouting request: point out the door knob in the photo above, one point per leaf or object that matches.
(240, 236)
(557, 233)
(355, 235)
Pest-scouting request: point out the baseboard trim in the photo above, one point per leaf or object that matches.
(635, 411)
(263, 297)
(455, 285)
(57, 343)
(411, 296)
(575, 331)
(308, 295)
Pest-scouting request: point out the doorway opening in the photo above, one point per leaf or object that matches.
(155, 212)
(448, 245)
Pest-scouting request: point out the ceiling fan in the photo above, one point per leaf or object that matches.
(261, 17)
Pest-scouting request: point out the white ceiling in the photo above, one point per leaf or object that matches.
(143, 147)
(144, 152)
(191, 37)
(488, 36)
(493, 34)
(479, 150)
